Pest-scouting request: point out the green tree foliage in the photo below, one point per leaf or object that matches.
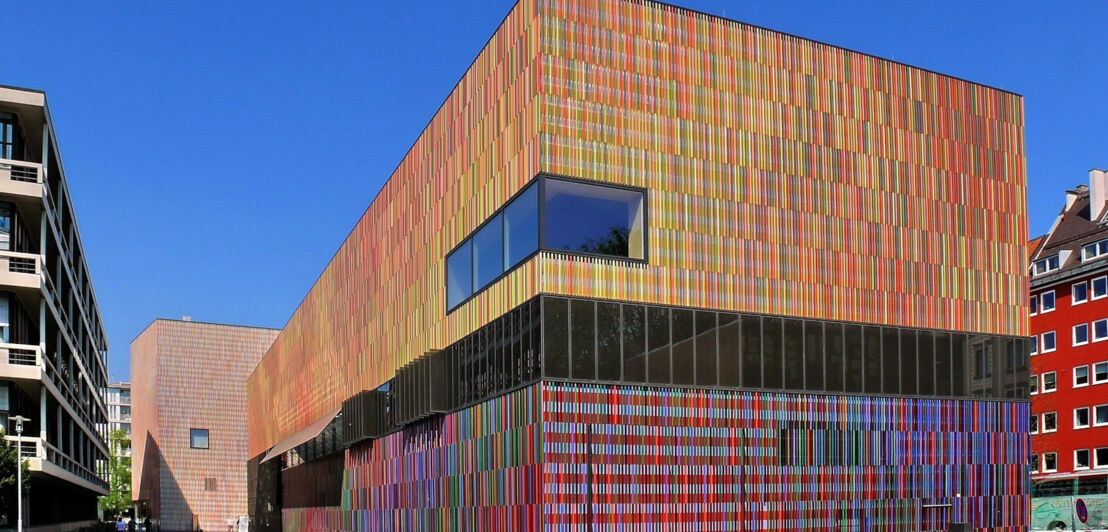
(119, 474)
(612, 243)
(8, 457)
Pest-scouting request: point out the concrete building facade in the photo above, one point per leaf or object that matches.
(52, 343)
(117, 397)
(1069, 362)
(652, 269)
(189, 412)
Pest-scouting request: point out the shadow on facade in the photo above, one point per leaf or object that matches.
(160, 493)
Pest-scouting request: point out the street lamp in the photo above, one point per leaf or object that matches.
(19, 467)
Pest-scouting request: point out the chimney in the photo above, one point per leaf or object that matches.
(1098, 192)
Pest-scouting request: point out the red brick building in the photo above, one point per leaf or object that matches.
(1069, 363)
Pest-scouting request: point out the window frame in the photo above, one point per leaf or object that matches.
(1042, 379)
(1034, 462)
(1092, 288)
(1088, 414)
(207, 438)
(1034, 382)
(1088, 460)
(1073, 339)
(1043, 428)
(1042, 301)
(1033, 424)
(1092, 326)
(1096, 463)
(1045, 468)
(538, 181)
(1093, 373)
(1073, 300)
(1088, 376)
(1093, 416)
(1042, 345)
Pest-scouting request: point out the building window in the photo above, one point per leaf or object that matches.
(1094, 250)
(1080, 376)
(1101, 456)
(1100, 330)
(1050, 421)
(1050, 462)
(577, 217)
(1080, 334)
(1100, 287)
(1033, 428)
(1100, 372)
(1100, 415)
(1034, 463)
(1034, 384)
(1049, 382)
(1046, 302)
(1034, 305)
(1035, 344)
(198, 438)
(1050, 342)
(8, 136)
(1081, 459)
(594, 219)
(5, 320)
(209, 484)
(1048, 264)
(1079, 293)
(1081, 418)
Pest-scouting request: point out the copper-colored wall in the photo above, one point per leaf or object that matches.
(192, 375)
(784, 176)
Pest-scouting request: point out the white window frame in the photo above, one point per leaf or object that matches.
(1034, 463)
(1092, 288)
(1092, 374)
(1042, 379)
(1088, 377)
(1042, 347)
(1096, 464)
(1092, 414)
(1088, 336)
(1034, 384)
(1088, 461)
(1042, 304)
(1043, 428)
(1092, 331)
(1096, 245)
(1088, 416)
(1045, 470)
(1075, 302)
(1034, 344)
(1033, 423)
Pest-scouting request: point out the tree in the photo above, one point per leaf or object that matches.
(614, 242)
(8, 457)
(118, 498)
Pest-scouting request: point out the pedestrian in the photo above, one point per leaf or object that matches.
(120, 526)
(131, 525)
(146, 524)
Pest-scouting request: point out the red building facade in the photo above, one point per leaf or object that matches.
(1069, 362)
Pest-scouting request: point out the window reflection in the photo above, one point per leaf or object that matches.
(488, 261)
(594, 219)
(459, 275)
(521, 227)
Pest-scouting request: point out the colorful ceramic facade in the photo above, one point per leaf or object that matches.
(780, 177)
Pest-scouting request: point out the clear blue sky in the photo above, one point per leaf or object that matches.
(219, 152)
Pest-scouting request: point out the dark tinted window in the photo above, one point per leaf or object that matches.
(958, 371)
(854, 375)
(926, 363)
(729, 371)
(459, 275)
(771, 353)
(608, 356)
(682, 354)
(657, 331)
(634, 343)
(488, 258)
(813, 355)
(794, 355)
(834, 348)
(198, 438)
(942, 364)
(583, 339)
(706, 334)
(594, 219)
(752, 351)
(871, 345)
(908, 366)
(521, 227)
(555, 337)
(890, 360)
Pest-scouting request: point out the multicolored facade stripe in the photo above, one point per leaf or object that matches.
(773, 164)
(188, 375)
(654, 459)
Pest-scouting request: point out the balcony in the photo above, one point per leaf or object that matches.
(41, 456)
(21, 178)
(20, 361)
(22, 270)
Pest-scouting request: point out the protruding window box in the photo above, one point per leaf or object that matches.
(421, 389)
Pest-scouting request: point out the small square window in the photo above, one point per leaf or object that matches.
(1079, 293)
(1050, 382)
(1100, 287)
(1050, 342)
(1100, 372)
(1050, 462)
(1081, 418)
(1080, 334)
(1101, 456)
(1080, 376)
(1100, 415)
(1050, 422)
(1033, 426)
(209, 484)
(1046, 301)
(1081, 459)
(1034, 384)
(198, 438)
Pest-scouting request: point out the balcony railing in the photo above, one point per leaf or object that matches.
(30, 447)
(22, 171)
(16, 262)
(19, 354)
